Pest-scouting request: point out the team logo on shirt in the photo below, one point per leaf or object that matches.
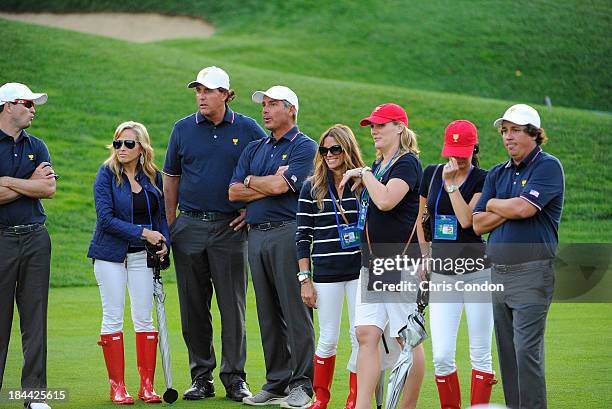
(31, 156)
(284, 156)
(235, 140)
(455, 137)
(523, 182)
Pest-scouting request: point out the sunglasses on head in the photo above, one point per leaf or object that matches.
(335, 150)
(129, 143)
(25, 102)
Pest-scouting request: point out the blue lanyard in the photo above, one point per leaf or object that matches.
(442, 188)
(333, 199)
(378, 176)
(148, 208)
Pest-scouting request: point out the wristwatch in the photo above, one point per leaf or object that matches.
(247, 180)
(451, 188)
(304, 275)
(364, 170)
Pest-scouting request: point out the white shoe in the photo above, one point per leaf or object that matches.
(38, 405)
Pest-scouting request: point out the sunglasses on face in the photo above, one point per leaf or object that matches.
(129, 143)
(25, 102)
(335, 150)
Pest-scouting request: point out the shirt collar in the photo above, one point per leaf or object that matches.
(228, 117)
(22, 134)
(527, 159)
(290, 135)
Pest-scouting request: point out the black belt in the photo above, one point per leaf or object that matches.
(21, 229)
(270, 225)
(509, 268)
(210, 216)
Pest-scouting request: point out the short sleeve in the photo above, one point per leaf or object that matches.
(545, 183)
(426, 180)
(488, 192)
(480, 180)
(408, 170)
(172, 165)
(300, 164)
(43, 154)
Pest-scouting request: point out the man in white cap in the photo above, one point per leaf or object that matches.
(208, 237)
(26, 177)
(269, 176)
(521, 207)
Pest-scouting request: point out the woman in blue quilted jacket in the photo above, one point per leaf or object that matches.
(128, 195)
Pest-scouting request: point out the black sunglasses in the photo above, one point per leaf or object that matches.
(129, 143)
(25, 102)
(335, 150)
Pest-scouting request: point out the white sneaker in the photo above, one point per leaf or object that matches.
(38, 405)
(263, 398)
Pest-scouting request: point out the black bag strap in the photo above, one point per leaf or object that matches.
(432, 179)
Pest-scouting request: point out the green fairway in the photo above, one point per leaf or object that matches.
(95, 83)
(577, 356)
(442, 60)
(520, 50)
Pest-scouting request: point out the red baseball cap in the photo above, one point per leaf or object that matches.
(459, 139)
(386, 113)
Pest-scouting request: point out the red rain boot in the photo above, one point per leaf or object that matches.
(146, 349)
(323, 377)
(448, 389)
(482, 383)
(112, 347)
(351, 400)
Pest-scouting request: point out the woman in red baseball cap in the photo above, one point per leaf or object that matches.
(388, 215)
(450, 192)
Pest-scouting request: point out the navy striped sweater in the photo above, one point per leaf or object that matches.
(331, 263)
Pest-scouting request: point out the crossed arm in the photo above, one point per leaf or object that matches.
(260, 187)
(500, 210)
(41, 185)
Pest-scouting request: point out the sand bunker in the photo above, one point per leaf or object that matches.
(138, 28)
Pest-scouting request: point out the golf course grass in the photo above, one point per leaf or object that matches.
(441, 60)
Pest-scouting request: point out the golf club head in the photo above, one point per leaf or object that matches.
(170, 396)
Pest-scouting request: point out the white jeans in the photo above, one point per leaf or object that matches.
(330, 300)
(112, 279)
(444, 318)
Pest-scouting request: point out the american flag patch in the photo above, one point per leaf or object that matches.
(534, 193)
(294, 178)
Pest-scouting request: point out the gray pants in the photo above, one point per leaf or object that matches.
(287, 333)
(208, 254)
(520, 319)
(24, 278)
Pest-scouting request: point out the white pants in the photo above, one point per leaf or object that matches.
(444, 318)
(330, 300)
(112, 279)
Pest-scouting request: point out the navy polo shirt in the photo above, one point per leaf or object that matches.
(19, 159)
(263, 158)
(204, 155)
(538, 179)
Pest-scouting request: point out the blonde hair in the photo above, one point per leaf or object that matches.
(142, 138)
(408, 142)
(352, 159)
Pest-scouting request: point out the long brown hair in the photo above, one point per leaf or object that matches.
(142, 137)
(352, 159)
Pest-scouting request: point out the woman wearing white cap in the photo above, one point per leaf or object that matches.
(388, 214)
(450, 192)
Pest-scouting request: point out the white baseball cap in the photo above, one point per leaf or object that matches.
(12, 91)
(520, 114)
(212, 78)
(278, 92)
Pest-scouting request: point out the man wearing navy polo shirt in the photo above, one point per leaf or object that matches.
(268, 177)
(208, 237)
(521, 207)
(26, 177)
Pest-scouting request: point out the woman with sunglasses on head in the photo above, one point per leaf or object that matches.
(388, 213)
(450, 192)
(326, 219)
(130, 211)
